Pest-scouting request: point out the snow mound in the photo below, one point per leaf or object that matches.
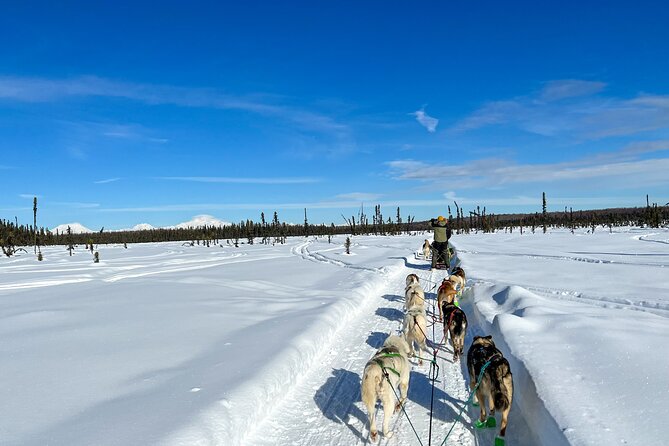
(76, 228)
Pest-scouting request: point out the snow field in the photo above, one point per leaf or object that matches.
(171, 345)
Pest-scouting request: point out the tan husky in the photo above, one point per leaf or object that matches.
(412, 279)
(415, 329)
(427, 249)
(388, 369)
(414, 296)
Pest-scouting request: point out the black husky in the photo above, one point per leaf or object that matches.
(455, 324)
(496, 387)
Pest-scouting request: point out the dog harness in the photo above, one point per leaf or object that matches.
(450, 318)
(385, 367)
(488, 362)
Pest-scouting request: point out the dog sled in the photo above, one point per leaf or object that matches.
(441, 256)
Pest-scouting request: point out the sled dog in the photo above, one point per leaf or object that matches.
(455, 325)
(496, 386)
(415, 329)
(427, 249)
(459, 277)
(412, 279)
(388, 367)
(413, 296)
(445, 294)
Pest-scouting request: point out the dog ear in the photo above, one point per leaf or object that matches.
(489, 337)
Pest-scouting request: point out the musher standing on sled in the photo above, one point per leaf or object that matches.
(442, 232)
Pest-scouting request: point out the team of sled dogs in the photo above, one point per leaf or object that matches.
(389, 368)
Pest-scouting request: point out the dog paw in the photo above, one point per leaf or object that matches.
(398, 406)
(388, 435)
(373, 435)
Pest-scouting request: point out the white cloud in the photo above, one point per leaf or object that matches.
(335, 204)
(45, 90)
(359, 196)
(425, 120)
(108, 180)
(569, 88)
(244, 180)
(524, 200)
(75, 204)
(584, 117)
(29, 196)
(492, 172)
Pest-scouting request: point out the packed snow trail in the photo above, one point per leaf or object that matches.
(331, 388)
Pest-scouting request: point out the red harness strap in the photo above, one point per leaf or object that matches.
(450, 318)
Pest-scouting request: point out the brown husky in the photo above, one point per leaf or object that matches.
(445, 294)
(459, 277)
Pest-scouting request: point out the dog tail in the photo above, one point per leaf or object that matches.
(501, 401)
(372, 383)
(503, 393)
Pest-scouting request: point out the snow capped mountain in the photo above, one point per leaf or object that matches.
(202, 220)
(142, 227)
(76, 228)
(196, 222)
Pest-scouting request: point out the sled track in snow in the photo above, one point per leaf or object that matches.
(572, 258)
(330, 388)
(302, 250)
(603, 301)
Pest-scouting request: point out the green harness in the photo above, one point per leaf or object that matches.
(385, 367)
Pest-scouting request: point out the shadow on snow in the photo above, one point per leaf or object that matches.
(336, 398)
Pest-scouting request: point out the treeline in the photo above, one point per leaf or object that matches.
(13, 235)
(652, 216)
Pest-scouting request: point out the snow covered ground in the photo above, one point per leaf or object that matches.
(264, 345)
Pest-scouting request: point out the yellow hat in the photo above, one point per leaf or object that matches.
(441, 218)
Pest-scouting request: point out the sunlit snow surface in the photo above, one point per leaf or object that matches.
(172, 344)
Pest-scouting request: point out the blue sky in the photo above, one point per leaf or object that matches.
(120, 114)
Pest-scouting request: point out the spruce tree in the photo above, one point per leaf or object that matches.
(70, 246)
(35, 221)
(544, 216)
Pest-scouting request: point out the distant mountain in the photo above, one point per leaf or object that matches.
(202, 220)
(196, 222)
(142, 227)
(76, 228)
